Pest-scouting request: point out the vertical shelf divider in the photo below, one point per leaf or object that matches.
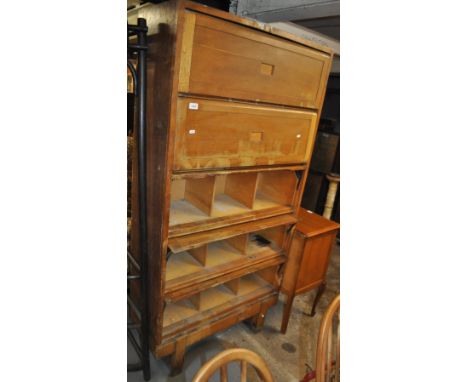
(200, 192)
(239, 242)
(269, 275)
(233, 286)
(196, 300)
(200, 254)
(242, 187)
(275, 235)
(278, 186)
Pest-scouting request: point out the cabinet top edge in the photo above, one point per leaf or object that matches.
(182, 5)
(311, 224)
(264, 27)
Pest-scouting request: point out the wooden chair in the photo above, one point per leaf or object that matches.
(221, 360)
(327, 363)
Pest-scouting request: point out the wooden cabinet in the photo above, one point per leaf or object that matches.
(308, 259)
(232, 107)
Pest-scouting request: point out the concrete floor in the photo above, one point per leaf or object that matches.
(286, 355)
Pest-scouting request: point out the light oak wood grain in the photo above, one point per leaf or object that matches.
(186, 242)
(201, 304)
(240, 63)
(208, 197)
(219, 134)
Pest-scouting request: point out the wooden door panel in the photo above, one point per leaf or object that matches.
(221, 58)
(217, 134)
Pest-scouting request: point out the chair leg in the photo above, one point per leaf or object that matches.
(319, 294)
(177, 359)
(287, 312)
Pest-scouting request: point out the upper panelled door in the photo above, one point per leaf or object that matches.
(218, 134)
(221, 58)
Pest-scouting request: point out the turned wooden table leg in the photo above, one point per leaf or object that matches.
(177, 359)
(287, 312)
(320, 291)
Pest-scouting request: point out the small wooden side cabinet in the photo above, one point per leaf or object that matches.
(308, 259)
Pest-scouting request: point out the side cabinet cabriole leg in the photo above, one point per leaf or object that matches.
(319, 294)
(287, 312)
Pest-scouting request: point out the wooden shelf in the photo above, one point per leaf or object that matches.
(214, 300)
(224, 261)
(225, 205)
(187, 242)
(214, 323)
(182, 211)
(182, 264)
(262, 202)
(223, 222)
(217, 196)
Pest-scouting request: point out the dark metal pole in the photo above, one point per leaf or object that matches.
(142, 197)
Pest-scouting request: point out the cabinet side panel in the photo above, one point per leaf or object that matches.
(161, 21)
(314, 262)
(314, 125)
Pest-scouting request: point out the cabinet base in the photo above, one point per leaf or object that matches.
(176, 347)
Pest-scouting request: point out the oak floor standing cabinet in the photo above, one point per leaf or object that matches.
(233, 107)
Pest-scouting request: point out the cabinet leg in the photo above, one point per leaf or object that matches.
(319, 294)
(258, 320)
(177, 359)
(287, 312)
